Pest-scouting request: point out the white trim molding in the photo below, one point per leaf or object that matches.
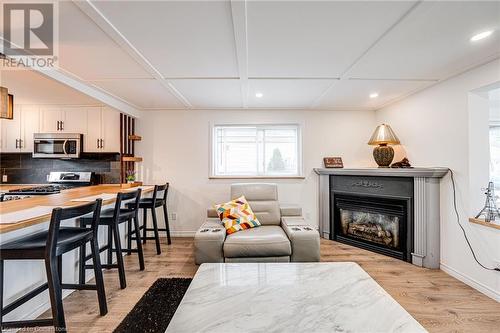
(471, 282)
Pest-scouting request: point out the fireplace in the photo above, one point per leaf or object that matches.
(376, 224)
(373, 213)
(417, 189)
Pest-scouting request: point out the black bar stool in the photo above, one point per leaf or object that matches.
(50, 246)
(112, 218)
(152, 203)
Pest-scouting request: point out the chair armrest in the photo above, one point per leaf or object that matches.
(290, 210)
(304, 239)
(209, 241)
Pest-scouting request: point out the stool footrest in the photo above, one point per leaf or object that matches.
(79, 286)
(129, 250)
(27, 323)
(21, 300)
(108, 266)
(148, 238)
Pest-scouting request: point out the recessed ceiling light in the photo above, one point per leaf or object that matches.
(481, 35)
(259, 95)
(373, 95)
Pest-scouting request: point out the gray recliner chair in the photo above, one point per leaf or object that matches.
(283, 236)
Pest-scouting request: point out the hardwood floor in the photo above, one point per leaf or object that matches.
(438, 301)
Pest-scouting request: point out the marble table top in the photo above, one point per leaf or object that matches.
(288, 297)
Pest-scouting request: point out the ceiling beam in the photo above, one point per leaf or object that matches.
(94, 92)
(76, 83)
(240, 29)
(105, 24)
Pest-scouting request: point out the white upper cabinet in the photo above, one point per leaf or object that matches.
(69, 120)
(110, 130)
(17, 133)
(50, 119)
(93, 121)
(74, 120)
(30, 124)
(103, 130)
(100, 127)
(11, 132)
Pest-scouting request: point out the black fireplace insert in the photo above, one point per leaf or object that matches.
(367, 214)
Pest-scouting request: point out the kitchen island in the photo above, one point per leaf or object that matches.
(22, 276)
(63, 199)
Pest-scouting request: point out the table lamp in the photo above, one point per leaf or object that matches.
(382, 138)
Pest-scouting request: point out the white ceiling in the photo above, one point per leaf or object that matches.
(30, 87)
(298, 54)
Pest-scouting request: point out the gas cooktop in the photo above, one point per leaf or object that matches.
(39, 190)
(58, 181)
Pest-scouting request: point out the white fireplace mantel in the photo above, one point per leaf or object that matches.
(426, 214)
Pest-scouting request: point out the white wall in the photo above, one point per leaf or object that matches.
(175, 147)
(443, 126)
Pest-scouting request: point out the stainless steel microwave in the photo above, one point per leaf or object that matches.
(57, 145)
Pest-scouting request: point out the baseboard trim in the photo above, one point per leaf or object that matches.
(43, 307)
(471, 282)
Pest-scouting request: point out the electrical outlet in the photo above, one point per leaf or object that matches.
(174, 216)
(5, 178)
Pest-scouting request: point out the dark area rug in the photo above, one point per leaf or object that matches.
(156, 308)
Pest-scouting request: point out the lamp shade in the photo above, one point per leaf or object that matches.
(383, 135)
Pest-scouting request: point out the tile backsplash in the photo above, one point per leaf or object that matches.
(22, 168)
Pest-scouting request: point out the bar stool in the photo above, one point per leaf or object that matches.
(112, 218)
(153, 203)
(50, 246)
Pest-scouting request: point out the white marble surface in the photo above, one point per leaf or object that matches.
(288, 297)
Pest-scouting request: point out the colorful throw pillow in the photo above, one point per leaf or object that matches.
(237, 215)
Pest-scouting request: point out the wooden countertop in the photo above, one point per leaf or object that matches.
(61, 199)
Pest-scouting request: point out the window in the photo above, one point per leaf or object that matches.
(494, 122)
(495, 154)
(256, 151)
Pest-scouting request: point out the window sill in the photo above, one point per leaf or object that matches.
(256, 177)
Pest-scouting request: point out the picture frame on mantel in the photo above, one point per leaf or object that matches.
(333, 162)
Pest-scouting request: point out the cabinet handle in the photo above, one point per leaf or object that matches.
(62, 125)
(58, 125)
(20, 143)
(98, 143)
(17, 140)
(102, 143)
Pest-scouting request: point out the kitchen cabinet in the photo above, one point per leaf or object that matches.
(30, 124)
(17, 133)
(103, 130)
(65, 120)
(100, 127)
(11, 132)
(74, 120)
(50, 120)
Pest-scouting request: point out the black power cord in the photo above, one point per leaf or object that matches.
(461, 227)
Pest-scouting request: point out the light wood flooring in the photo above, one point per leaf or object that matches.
(438, 301)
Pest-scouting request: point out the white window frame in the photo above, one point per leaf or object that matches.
(211, 166)
(493, 123)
